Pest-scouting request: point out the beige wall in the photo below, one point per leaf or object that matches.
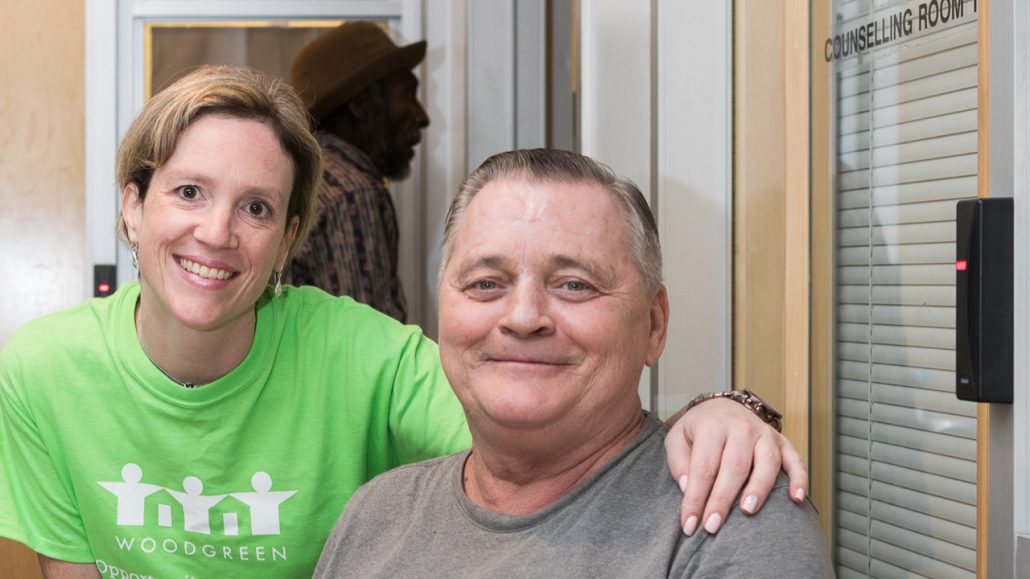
(42, 170)
(42, 175)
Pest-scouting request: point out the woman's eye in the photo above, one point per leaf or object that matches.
(485, 284)
(576, 286)
(189, 192)
(258, 209)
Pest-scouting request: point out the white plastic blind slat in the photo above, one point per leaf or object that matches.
(953, 188)
(922, 401)
(915, 377)
(844, 572)
(911, 295)
(927, 212)
(905, 447)
(944, 423)
(915, 478)
(939, 126)
(932, 65)
(950, 78)
(887, 560)
(925, 108)
(940, 550)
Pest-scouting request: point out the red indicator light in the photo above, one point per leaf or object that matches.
(104, 288)
(960, 265)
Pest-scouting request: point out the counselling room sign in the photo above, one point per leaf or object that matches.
(896, 26)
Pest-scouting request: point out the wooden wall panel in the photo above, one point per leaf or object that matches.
(771, 283)
(796, 190)
(42, 176)
(42, 167)
(771, 207)
(759, 169)
(822, 219)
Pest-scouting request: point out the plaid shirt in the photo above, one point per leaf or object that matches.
(352, 248)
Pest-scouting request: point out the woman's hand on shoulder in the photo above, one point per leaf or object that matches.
(718, 447)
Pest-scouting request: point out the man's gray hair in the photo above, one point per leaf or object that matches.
(558, 166)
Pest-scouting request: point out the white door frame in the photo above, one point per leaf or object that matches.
(1009, 75)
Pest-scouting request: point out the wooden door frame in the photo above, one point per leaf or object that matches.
(774, 295)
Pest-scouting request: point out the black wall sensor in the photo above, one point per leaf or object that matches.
(983, 300)
(105, 280)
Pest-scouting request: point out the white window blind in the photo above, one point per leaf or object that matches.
(906, 151)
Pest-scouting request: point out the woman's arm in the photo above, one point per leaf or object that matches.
(54, 569)
(717, 447)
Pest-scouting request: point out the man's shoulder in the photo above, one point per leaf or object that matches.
(783, 538)
(643, 463)
(427, 476)
(405, 491)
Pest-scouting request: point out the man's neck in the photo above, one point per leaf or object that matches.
(523, 473)
(345, 127)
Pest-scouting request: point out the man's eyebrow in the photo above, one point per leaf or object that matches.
(486, 261)
(596, 271)
(570, 262)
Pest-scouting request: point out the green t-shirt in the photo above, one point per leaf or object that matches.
(105, 459)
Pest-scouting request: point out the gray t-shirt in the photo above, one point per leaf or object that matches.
(416, 521)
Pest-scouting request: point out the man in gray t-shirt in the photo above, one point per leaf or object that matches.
(551, 304)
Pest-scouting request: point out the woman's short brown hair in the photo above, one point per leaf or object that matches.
(231, 91)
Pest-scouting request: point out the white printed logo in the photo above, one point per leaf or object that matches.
(131, 495)
(263, 503)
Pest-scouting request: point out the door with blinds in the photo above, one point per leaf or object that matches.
(905, 115)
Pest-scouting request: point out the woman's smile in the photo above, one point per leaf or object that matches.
(204, 271)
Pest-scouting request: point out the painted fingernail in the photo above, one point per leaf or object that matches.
(799, 495)
(749, 504)
(690, 526)
(713, 523)
(683, 483)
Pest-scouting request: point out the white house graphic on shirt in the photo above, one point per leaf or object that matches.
(132, 495)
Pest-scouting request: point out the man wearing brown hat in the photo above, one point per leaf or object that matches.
(359, 88)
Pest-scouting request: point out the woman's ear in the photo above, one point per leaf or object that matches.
(132, 211)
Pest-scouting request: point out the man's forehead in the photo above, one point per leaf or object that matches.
(563, 225)
(527, 198)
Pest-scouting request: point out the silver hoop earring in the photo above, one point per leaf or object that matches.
(134, 249)
(278, 277)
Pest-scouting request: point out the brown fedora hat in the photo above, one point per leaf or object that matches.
(337, 65)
